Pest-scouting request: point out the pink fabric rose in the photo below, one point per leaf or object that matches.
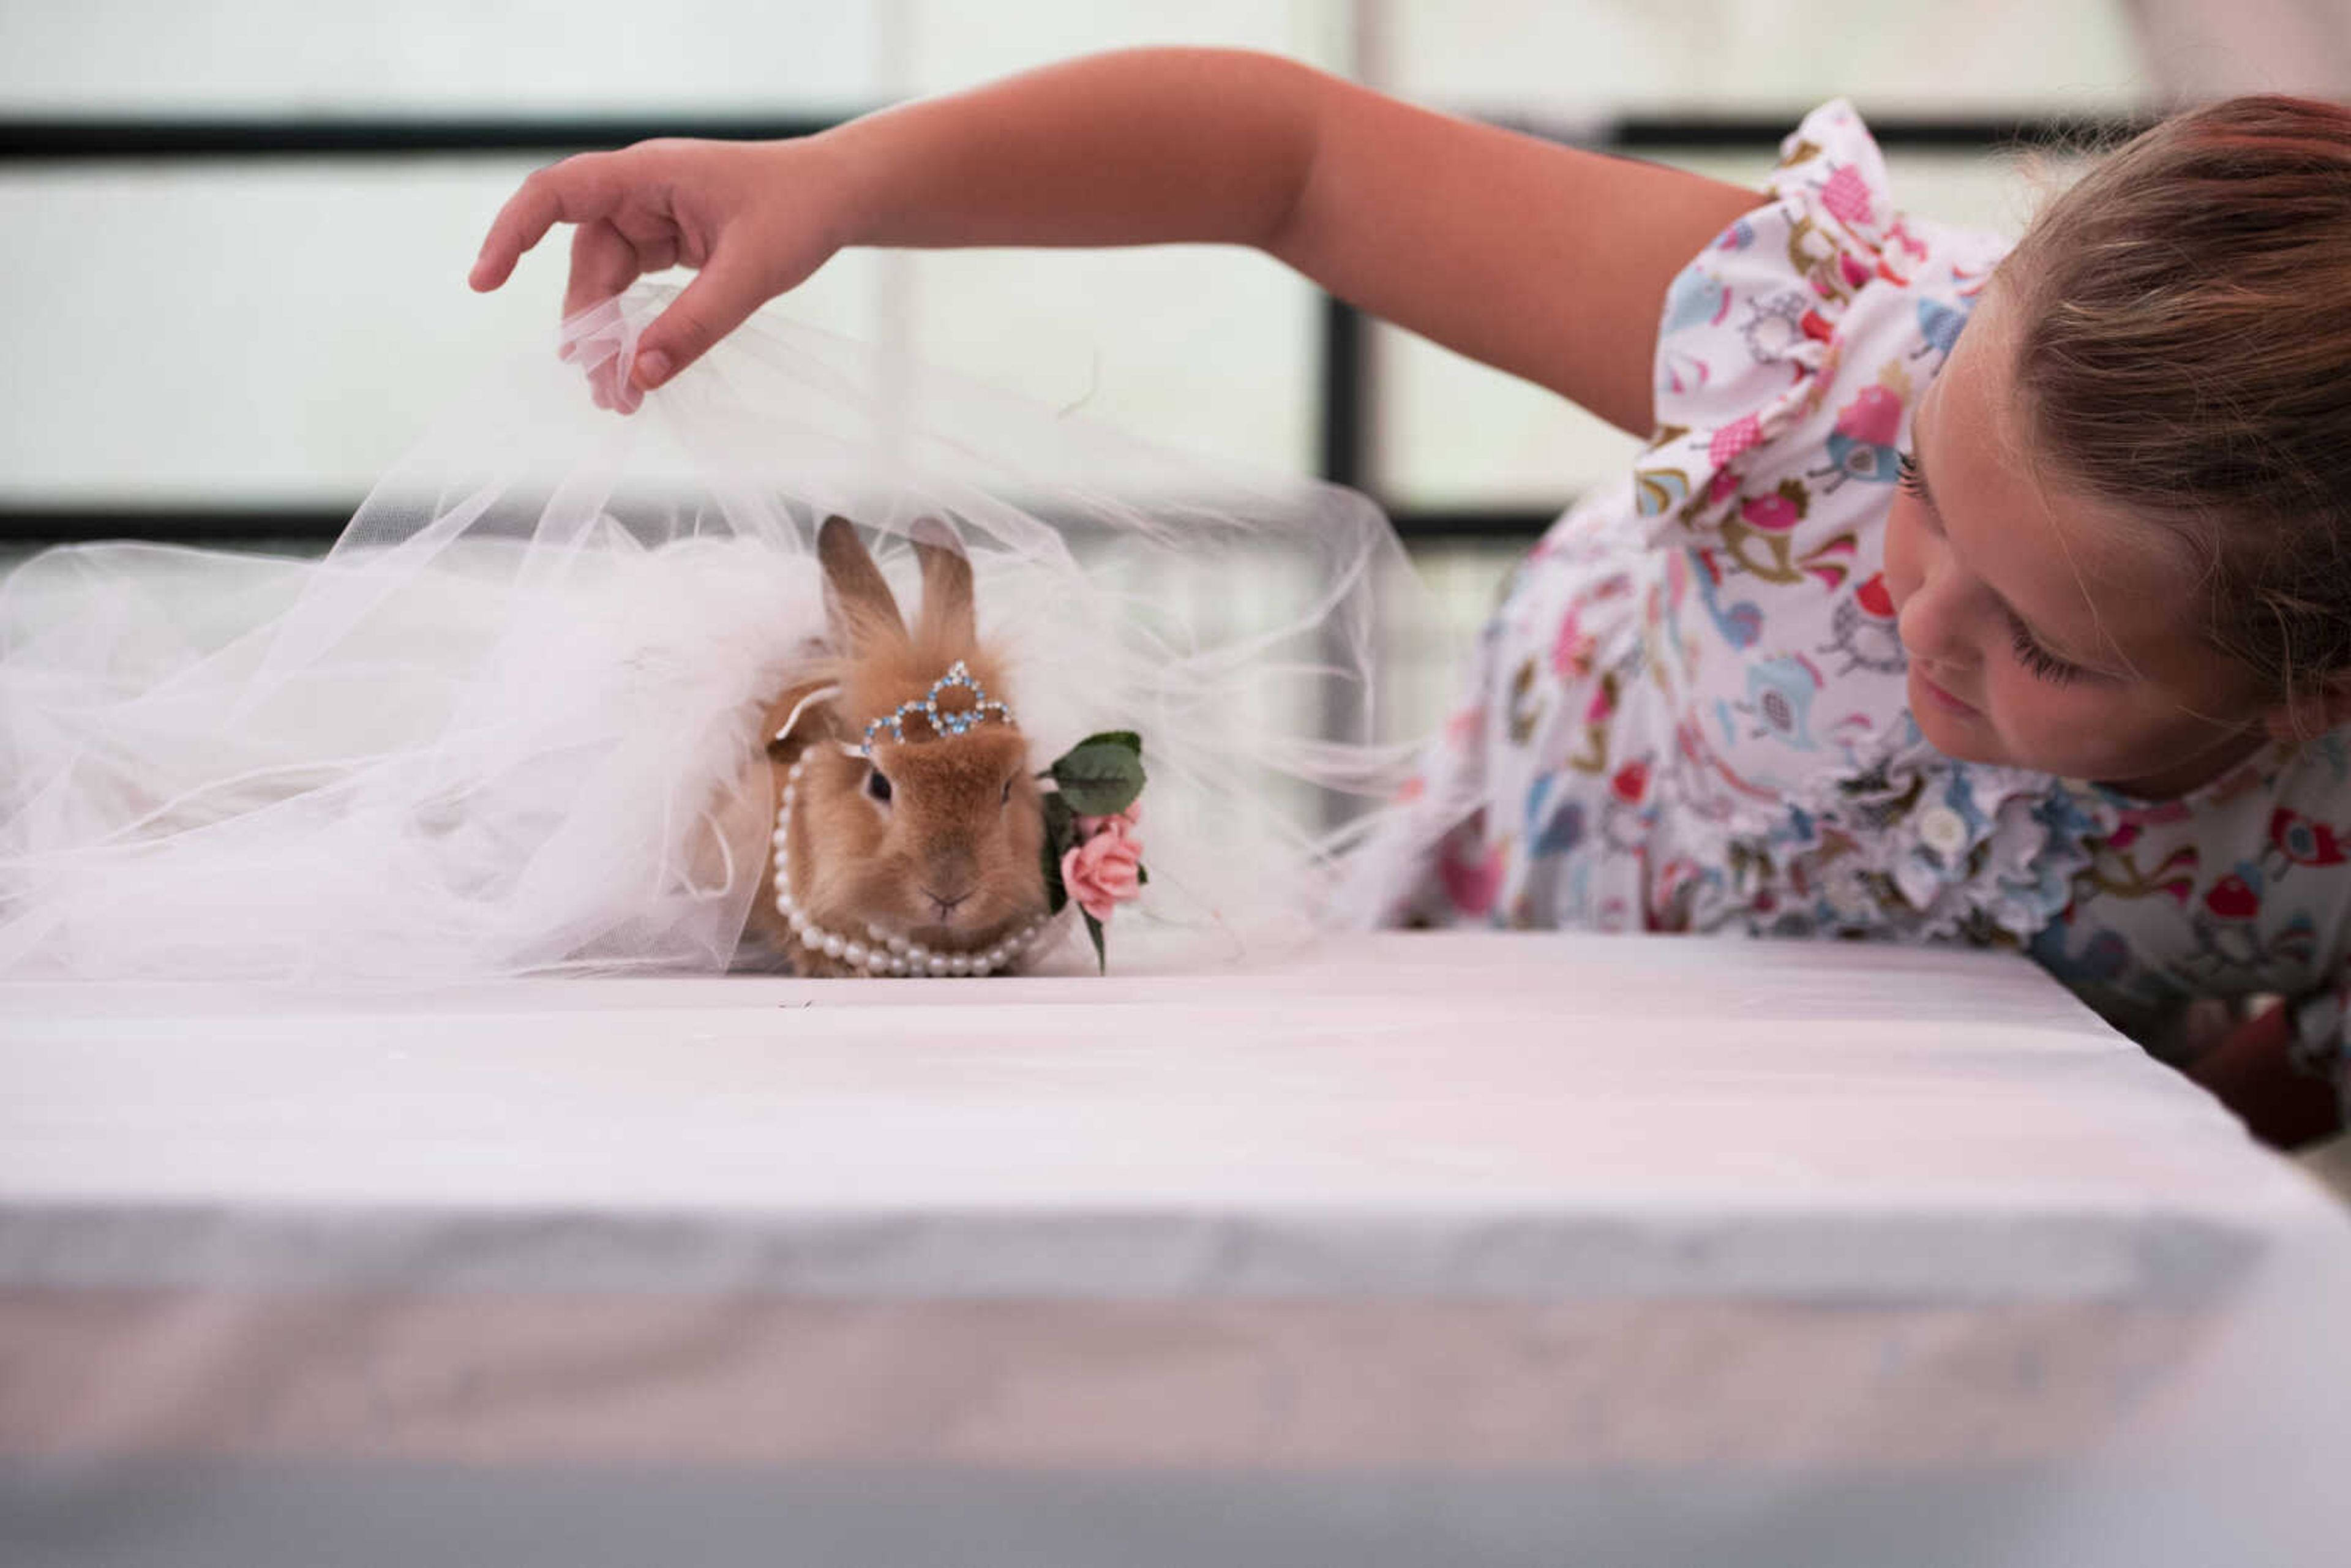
(1127, 821)
(1104, 871)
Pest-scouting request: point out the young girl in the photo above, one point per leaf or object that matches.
(2034, 634)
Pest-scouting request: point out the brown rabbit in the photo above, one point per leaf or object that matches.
(926, 858)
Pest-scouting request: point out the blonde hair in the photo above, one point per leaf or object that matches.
(2184, 353)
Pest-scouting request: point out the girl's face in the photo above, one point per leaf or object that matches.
(2044, 630)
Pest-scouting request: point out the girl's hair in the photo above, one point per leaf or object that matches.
(2185, 353)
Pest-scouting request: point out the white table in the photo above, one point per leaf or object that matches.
(1422, 1249)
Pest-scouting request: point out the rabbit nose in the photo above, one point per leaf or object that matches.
(947, 904)
(949, 876)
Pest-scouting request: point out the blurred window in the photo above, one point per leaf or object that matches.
(261, 331)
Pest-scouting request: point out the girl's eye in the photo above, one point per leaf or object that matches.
(1906, 477)
(877, 786)
(2043, 664)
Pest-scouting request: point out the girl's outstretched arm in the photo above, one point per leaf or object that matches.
(1546, 261)
(1542, 260)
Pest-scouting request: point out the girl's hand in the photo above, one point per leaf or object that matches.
(754, 218)
(2251, 1073)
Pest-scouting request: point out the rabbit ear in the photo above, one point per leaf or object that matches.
(857, 599)
(947, 583)
(813, 695)
(808, 720)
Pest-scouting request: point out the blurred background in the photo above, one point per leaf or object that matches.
(240, 228)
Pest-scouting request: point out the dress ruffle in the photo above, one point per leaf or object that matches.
(1912, 847)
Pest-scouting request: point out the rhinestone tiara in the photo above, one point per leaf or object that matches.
(958, 721)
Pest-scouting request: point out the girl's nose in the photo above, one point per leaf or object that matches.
(1933, 623)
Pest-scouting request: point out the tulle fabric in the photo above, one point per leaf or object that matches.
(510, 724)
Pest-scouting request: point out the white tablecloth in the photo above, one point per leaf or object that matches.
(1420, 1248)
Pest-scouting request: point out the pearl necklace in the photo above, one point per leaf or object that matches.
(884, 954)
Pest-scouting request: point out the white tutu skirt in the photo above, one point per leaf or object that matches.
(511, 723)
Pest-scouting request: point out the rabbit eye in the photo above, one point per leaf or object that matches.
(1007, 792)
(878, 786)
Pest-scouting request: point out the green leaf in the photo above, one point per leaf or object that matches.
(1126, 738)
(1142, 877)
(1056, 894)
(1100, 778)
(1061, 831)
(1061, 825)
(1094, 930)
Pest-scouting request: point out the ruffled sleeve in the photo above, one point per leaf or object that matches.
(1789, 354)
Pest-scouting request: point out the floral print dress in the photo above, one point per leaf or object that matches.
(1690, 713)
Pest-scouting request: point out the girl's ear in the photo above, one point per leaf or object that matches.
(946, 617)
(857, 603)
(2307, 714)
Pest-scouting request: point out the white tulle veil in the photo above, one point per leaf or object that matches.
(495, 730)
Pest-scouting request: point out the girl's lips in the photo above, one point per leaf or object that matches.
(1944, 697)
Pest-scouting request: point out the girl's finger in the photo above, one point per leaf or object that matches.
(574, 190)
(712, 305)
(604, 263)
(653, 235)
